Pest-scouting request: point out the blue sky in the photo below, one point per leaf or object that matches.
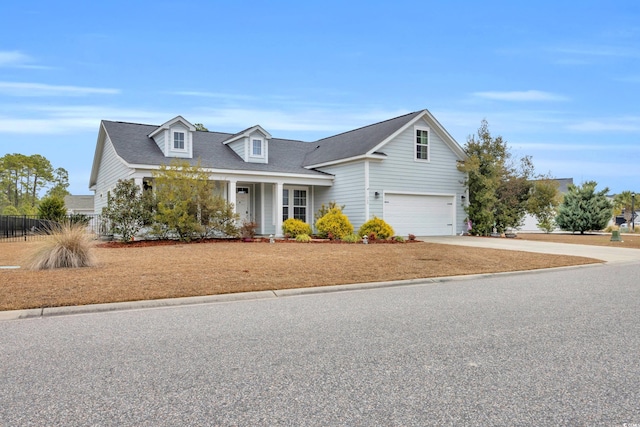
(558, 82)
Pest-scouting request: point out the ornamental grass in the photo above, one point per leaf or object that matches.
(65, 246)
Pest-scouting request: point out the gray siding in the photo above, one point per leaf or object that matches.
(238, 147)
(160, 141)
(269, 220)
(400, 172)
(348, 189)
(110, 171)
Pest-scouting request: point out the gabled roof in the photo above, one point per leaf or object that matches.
(133, 146)
(247, 132)
(170, 123)
(369, 140)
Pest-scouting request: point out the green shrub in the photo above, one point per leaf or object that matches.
(334, 224)
(399, 239)
(295, 227)
(67, 246)
(351, 238)
(303, 238)
(324, 209)
(52, 208)
(378, 226)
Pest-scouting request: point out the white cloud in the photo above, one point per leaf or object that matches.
(17, 59)
(40, 120)
(602, 51)
(39, 89)
(220, 95)
(521, 96)
(616, 124)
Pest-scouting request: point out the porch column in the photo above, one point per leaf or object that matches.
(279, 189)
(138, 182)
(231, 195)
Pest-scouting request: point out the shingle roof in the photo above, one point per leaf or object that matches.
(355, 142)
(132, 144)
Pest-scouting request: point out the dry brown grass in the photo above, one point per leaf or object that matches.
(139, 273)
(631, 241)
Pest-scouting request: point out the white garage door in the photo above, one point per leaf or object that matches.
(419, 215)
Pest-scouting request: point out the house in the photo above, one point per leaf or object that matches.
(79, 204)
(403, 170)
(530, 222)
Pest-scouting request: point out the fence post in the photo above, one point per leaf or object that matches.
(24, 227)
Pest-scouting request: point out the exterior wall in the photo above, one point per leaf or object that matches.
(400, 172)
(110, 171)
(188, 142)
(249, 148)
(239, 147)
(160, 140)
(269, 220)
(348, 189)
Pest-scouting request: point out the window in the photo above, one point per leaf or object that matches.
(422, 144)
(294, 204)
(178, 140)
(256, 148)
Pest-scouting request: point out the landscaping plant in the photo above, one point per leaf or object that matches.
(378, 226)
(294, 227)
(67, 246)
(303, 238)
(334, 223)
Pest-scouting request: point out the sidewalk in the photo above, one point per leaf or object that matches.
(605, 253)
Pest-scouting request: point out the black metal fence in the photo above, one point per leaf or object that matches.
(14, 228)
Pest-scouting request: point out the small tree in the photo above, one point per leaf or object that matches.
(498, 185)
(324, 209)
(543, 203)
(52, 208)
(584, 209)
(125, 210)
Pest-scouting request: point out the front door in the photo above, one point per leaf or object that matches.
(243, 204)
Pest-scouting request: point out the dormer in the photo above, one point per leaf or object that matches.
(175, 138)
(252, 144)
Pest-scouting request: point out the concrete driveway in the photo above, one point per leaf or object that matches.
(605, 253)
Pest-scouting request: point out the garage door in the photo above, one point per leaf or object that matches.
(419, 215)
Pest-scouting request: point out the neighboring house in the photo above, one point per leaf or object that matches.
(79, 204)
(403, 170)
(530, 223)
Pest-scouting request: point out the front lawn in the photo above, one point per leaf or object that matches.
(139, 273)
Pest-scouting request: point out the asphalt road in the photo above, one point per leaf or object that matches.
(545, 348)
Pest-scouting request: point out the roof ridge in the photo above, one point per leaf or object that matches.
(367, 126)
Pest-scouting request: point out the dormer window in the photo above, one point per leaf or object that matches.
(257, 149)
(178, 140)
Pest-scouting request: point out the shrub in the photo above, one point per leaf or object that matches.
(52, 208)
(248, 229)
(378, 226)
(68, 246)
(303, 238)
(334, 223)
(412, 237)
(351, 238)
(295, 227)
(125, 211)
(399, 239)
(324, 209)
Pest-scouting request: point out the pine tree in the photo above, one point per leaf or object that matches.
(584, 209)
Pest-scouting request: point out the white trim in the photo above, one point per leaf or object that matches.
(185, 136)
(422, 128)
(262, 148)
(262, 229)
(366, 190)
(170, 123)
(247, 133)
(278, 216)
(240, 175)
(291, 206)
(349, 159)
